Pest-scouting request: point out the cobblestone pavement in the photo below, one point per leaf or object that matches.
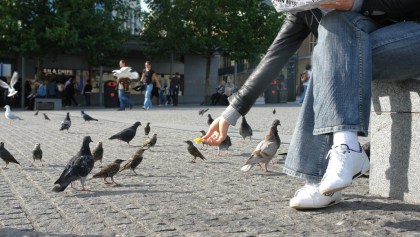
(170, 196)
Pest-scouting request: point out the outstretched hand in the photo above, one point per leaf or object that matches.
(217, 132)
(342, 5)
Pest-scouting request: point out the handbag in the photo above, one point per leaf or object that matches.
(140, 86)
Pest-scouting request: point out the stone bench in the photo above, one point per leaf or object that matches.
(48, 104)
(395, 140)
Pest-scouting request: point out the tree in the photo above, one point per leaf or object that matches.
(240, 29)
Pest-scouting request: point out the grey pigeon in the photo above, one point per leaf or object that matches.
(147, 129)
(77, 168)
(210, 119)
(37, 152)
(202, 111)
(6, 156)
(10, 87)
(98, 152)
(245, 130)
(66, 123)
(10, 115)
(36, 113)
(224, 145)
(266, 149)
(134, 161)
(87, 117)
(127, 134)
(150, 142)
(45, 116)
(194, 151)
(109, 171)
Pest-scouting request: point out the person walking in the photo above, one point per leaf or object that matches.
(148, 77)
(174, 86)
(123, 86)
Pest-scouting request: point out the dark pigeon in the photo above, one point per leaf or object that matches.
(210, 119)
(109, 171)
(202, 111)
(127, 134)
(274, 111)
(36, 113)
(224, 145)
(98, 152)
(86, 117)
(194, 151)
(65, 125)
(134, 160)
(37, 152)
(203, 133)
(245, 130)
(147, 129)
(45, 116)
(6, 156)
(77, 168)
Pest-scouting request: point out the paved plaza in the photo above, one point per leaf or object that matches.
(171, 196)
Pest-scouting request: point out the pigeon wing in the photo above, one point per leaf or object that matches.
(14, 79)
(4, 84)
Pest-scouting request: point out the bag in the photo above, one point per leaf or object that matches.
(304, 77)
(140, 86)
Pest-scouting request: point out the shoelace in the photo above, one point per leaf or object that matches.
(337, 158)
(310, 187)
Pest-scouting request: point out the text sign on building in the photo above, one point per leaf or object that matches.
(58, 71)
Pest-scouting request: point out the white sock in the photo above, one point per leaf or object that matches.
(348, 138)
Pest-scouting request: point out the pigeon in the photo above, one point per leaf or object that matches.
(194, 151)
(210, 119)
(109, 171)
(66, 123)
(274, 111)
(6, 156)
(78, 168)
(366, 147)
(245, 130)
(13, 81)
(86, 117)
(10, 115)
(150, 141)
(125, 72)
(224, 145)
(98, 152)
(202, 111)
(36, 113)
(45, 116)
(147, 129)
(37, 152)
(203, 133)
(127, 134)
(134, 161)
(266, 149)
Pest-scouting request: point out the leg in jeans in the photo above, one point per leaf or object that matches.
(147, 95)
(338, 97)
(121, 98)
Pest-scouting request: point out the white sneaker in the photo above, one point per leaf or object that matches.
(344, 166)
(309, 197)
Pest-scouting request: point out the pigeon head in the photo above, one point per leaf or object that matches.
(6, 107)
(118, 161)
(189, 142)
(276, 122)
(1, 145)
(136, 124)
(148, 123)
(82, 112)
(203, 132)
(87, 140)
(37, 145)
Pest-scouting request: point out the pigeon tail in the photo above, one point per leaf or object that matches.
(248, 167)
(60, 187)
(116, 136)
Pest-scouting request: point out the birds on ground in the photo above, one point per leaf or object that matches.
(6, 156)
(194, 151)
(109, 171)
(210, 119)
(10, 115)
(202, 111)
(274, 111)
(66, 123)
(37, 152)
(224, 145)
(127, 134)
(10, 88)
(98, 152)
(134, 161)
(266, 149)
(87, 117)
(245, 130)
(36, 113)
(77, 168)
(45, 116)
(150, 142)
(147, 129)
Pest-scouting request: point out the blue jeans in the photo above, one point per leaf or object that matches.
(302, 96)
(162, 97)
(351, 50)
(124, 99)
(147, 95)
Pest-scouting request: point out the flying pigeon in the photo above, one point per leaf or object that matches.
(37, 153)
(209, 120)
(86, 117)
(6, 156)
(150, 141)
(134, 160)
(109, 171)
(127, 134)
(194, 151)
(13, 81)
(245, 130)
(125, 72)
(266, 149)
(45, 116)
(224, 145)
(66, 123)
(36, 113)
(202, 111)
(78, 168)
(147, 129)
(10, 115)
(98, 152)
